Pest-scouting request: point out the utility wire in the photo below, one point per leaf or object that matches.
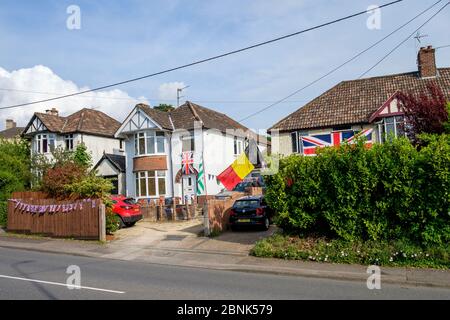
(340, 66)
(203, 60)
(150, 99)
(403, 41)
(442, 47)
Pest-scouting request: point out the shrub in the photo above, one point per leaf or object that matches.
(112, 221)
(56, 180)
(3, 213)
(90, 186)
(391, 191)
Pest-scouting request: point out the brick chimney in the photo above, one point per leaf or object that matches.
(426, 62)
(52, 111)
(10, 124)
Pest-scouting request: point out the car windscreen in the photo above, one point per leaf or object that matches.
(246, 204)
(242, 186)
(130, 201)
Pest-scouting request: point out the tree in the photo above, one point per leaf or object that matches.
(424, 113)
(164, 107)
(82, 157)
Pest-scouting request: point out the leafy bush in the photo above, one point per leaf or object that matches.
(14, 167)
(56, 180)
(391, 191)
(112, 221)
(90, 186)
(81, 156)
(3, 213)
(386, 253)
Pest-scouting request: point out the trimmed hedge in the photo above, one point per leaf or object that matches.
(392, 191)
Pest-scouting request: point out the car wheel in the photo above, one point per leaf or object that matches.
(120, 223)
(266, 224)
(130, 224)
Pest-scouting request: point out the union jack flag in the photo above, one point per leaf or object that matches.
(310, 143)
(187, 162)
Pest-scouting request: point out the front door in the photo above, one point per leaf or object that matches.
(189, 188)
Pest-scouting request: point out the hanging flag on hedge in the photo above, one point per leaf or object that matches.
(241, 167)
(200, 179)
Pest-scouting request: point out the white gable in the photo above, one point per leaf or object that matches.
(36, 126)
(136, 121)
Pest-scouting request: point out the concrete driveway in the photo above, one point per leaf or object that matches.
(181, 236)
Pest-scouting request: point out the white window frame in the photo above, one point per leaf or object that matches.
(145, 175)
(299, 145)
(40, 142)
(191, 137)
(148, 135)
(68, 138)
(237, 146)
(382, 128)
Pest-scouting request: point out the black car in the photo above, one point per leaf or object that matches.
(250, 211)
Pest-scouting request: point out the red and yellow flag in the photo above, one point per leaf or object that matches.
(235, 173)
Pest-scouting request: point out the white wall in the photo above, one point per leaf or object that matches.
(97, 145)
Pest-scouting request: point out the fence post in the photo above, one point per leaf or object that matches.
(206, 229)
(102, 222)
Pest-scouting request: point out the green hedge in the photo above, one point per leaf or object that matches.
(3, 213)
(391, 191)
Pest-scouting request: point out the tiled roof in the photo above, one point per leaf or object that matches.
(84, 121)
(116, 160)
(161, 117)
(11, 133)
(184, 116)
(353, 102)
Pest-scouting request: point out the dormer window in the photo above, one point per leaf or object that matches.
(149, 143)
(391, 127)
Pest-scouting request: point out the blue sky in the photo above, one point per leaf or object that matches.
(125, 39)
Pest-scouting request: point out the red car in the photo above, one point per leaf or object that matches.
(127, 209)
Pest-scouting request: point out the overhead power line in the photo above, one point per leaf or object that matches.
(203, 60)
(403, 41)
(340, 66)
(442, 47)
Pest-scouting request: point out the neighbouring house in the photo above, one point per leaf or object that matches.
(12, 131)
(113, 167)
(95, 129)
(166, 152)
(367, 106)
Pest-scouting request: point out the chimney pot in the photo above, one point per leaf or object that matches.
(10, 124)
(426, 62)
(52, 111)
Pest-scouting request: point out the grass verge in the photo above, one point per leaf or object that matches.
(394, 254)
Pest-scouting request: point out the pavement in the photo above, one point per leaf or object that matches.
(180, 244)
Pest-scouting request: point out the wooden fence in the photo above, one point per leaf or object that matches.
(166, 212)
(34, 213)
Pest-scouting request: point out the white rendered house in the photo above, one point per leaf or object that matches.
(95, 129)
(155, 143)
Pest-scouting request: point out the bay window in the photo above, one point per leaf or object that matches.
(45, 143)
(150, 183)
(149, 142)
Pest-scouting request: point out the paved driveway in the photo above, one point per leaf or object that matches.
(185, 236)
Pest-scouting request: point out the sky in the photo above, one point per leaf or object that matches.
(40, 57)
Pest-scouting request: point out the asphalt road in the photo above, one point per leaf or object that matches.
(36, 275)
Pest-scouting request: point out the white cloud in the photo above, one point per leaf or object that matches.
(168, 91)
(40, 82)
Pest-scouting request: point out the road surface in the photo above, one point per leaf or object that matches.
(37, 275)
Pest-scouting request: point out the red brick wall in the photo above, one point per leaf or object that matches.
(219, 212)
